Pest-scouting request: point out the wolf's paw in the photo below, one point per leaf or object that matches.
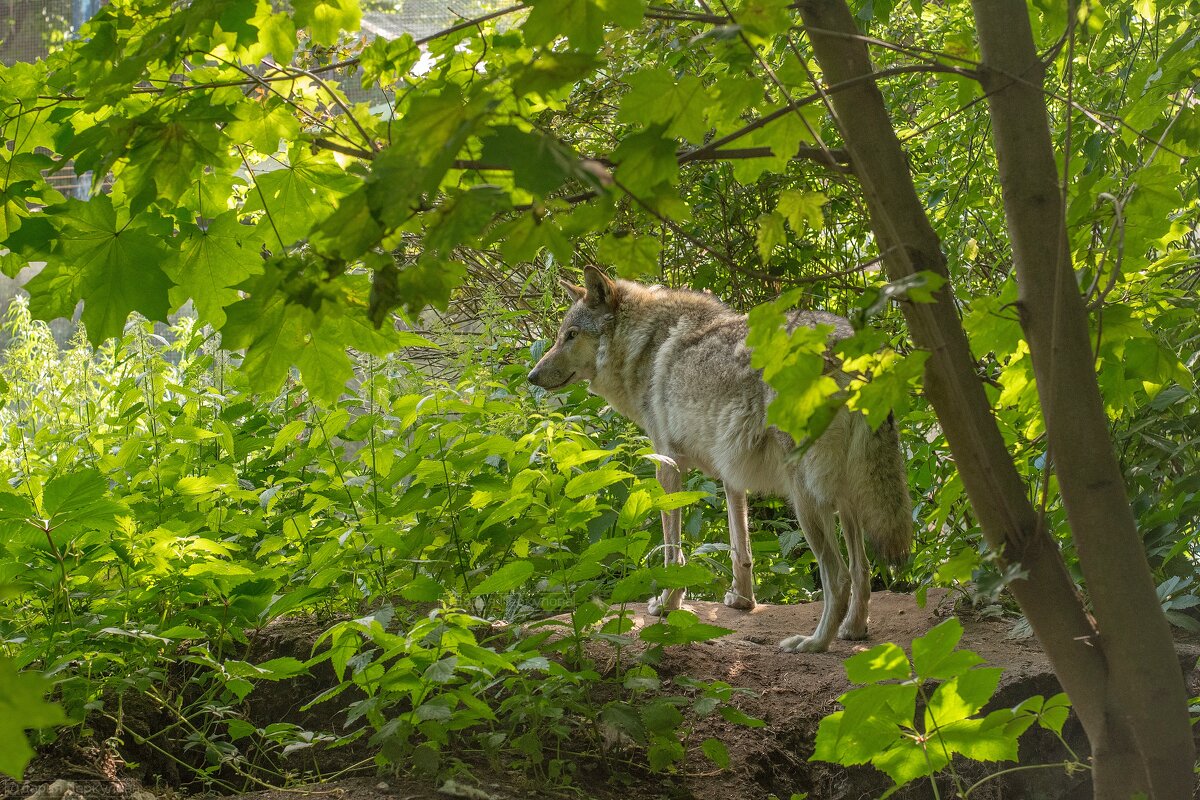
(853, 633)
(803, 644)
(738, 600)
(665, 603)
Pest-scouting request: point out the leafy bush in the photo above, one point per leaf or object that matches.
(156, 513)
(912, 717)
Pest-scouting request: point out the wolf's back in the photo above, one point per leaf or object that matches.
(677, 364)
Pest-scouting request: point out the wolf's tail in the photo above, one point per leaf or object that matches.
(880, 484)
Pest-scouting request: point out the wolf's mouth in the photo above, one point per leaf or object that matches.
(560, 385)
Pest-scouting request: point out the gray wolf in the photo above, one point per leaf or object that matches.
(677, 364)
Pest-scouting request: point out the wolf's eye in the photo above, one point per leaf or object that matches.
(571, 334)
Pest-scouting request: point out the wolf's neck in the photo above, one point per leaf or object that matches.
(631, 363)
(624, 366)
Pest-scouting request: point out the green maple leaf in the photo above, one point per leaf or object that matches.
(300, 194)
(356, 330)
(276, 37)
(349, 319)
(632, 256)
(429, 281)
(732, 95)
(784, 136)
(350, 230)
(210, 191)
(771, 233)
(13, 207)
(263, 125)
(463, 217)
(655, 96)
(520, 239)
(164, 154)
(763, 17)
(645, 159)
(426, 140)
(210, 263)
(21, 82)
(384, 60)
(551, 71)
(273, 335)
(802, 209)
(11, 265)
(295, 318)
(22, 708)
(581, 21)
(112, 264)
(270, 329)
(434, 121)
(540, 164)
(236, 19)
(20, 182)
(324, 365)
(326, 19)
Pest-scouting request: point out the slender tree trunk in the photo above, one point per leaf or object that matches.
(1145, 684)
(997, 493)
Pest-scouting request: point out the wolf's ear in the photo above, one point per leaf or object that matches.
(600, 290)
(573, 291)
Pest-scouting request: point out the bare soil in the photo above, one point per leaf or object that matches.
(790, 692)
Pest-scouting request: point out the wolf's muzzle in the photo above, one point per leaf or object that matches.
(538, 379)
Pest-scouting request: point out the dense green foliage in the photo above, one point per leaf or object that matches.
(167, 497)
(160, 513)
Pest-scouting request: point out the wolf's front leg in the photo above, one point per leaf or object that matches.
(741, 593)
(672, 522)
(670, 599)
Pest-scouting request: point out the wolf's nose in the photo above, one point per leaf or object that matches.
(532, 376)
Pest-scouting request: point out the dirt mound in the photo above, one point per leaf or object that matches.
(793, 692)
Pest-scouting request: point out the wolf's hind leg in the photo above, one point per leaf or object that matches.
(818, 526)
(671, 599)
(741, 593)
(854, 626)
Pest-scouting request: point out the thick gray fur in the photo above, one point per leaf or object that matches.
(677, 364)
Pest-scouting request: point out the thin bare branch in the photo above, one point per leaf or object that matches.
(701, 152)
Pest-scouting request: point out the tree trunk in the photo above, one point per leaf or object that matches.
(908, 243)
(1145, 684)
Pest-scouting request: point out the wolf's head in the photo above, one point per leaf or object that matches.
(573, 356)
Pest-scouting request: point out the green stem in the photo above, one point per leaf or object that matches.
(1066, 766)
